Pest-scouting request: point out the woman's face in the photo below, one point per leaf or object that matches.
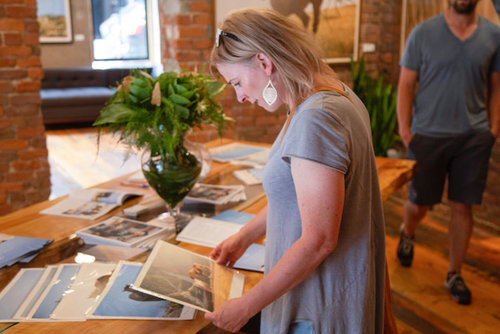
(248, 81)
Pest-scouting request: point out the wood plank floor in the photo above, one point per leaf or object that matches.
(421, 303)
(76, 161)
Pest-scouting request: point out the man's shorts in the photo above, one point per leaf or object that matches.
(464, 159)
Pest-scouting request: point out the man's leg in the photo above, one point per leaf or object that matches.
(412, 215)
(459, 234)
(460, 231)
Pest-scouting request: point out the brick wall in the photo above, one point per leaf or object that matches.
(24, 169)
(187, 38)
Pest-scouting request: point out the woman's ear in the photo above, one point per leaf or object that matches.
(265, 63)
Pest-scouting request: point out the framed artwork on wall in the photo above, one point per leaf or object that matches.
(54, 18)
(334, 23)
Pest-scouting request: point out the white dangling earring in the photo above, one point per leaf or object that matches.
(269, 93)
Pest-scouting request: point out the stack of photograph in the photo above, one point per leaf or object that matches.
(15, 249)
(118, 231)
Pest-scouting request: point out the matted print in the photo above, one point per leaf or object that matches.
(54, 18)
(335, 23)
(187, 278)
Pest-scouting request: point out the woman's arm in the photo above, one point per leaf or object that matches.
(320, 193)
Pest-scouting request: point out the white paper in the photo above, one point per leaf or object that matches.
(207, 232)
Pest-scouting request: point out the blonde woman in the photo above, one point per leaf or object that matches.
(324, 226)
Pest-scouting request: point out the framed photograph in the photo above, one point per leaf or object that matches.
(54, 18)
(334, 23)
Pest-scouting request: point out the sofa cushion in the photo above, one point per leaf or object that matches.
(74, 77)
(70, 96)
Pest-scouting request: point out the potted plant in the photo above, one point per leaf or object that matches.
(153, 115)
(380, 101)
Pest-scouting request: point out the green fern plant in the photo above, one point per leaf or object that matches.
(155, 113)
(380, 101)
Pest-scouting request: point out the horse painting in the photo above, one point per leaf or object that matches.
(297, 7)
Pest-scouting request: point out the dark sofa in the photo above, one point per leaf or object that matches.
(72, 95)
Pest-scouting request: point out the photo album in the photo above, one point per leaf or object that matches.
(89, 203)
(118, 231)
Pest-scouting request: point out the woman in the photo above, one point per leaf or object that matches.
(324, 226)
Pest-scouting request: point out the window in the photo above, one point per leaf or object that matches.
(120, 30)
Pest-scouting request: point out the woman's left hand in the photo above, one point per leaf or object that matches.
(230, 316)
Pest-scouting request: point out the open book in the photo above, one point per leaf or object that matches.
(187, 278)
(89, 203)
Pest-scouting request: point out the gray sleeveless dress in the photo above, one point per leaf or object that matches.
(345, 294)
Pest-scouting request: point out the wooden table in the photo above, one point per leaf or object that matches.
(28, 222)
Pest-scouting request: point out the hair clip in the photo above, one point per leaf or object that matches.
(220, 33)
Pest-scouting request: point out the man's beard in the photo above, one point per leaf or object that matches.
(464, 8)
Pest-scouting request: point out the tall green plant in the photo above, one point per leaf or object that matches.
(380, 101)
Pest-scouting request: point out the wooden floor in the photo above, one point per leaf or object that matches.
(421, 303)
(77, 162)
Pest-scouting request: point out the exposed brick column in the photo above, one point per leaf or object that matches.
(187, 36)
(24, 168)
(186, 32)
(380, 24)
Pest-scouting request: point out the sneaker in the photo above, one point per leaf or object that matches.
(405, 250)
(458, 290)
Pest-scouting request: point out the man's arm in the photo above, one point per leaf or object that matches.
(406, 93)
(494, 103)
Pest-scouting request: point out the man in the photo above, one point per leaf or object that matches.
(496, 4)
(455, 59)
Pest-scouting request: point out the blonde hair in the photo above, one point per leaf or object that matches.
(293, 51)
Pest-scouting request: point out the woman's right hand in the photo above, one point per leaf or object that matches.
(229, 251)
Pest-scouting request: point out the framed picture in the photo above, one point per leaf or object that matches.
(54, 18)
(416, 11)
(335, 24)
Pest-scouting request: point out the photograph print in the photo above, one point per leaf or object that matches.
(187, 278)
(334, 23)
(54, 19)
(120, 301)
(179, 276)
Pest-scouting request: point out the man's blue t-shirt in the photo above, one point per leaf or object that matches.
(452, 76)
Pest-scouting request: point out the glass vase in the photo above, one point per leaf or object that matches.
(172, 177)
